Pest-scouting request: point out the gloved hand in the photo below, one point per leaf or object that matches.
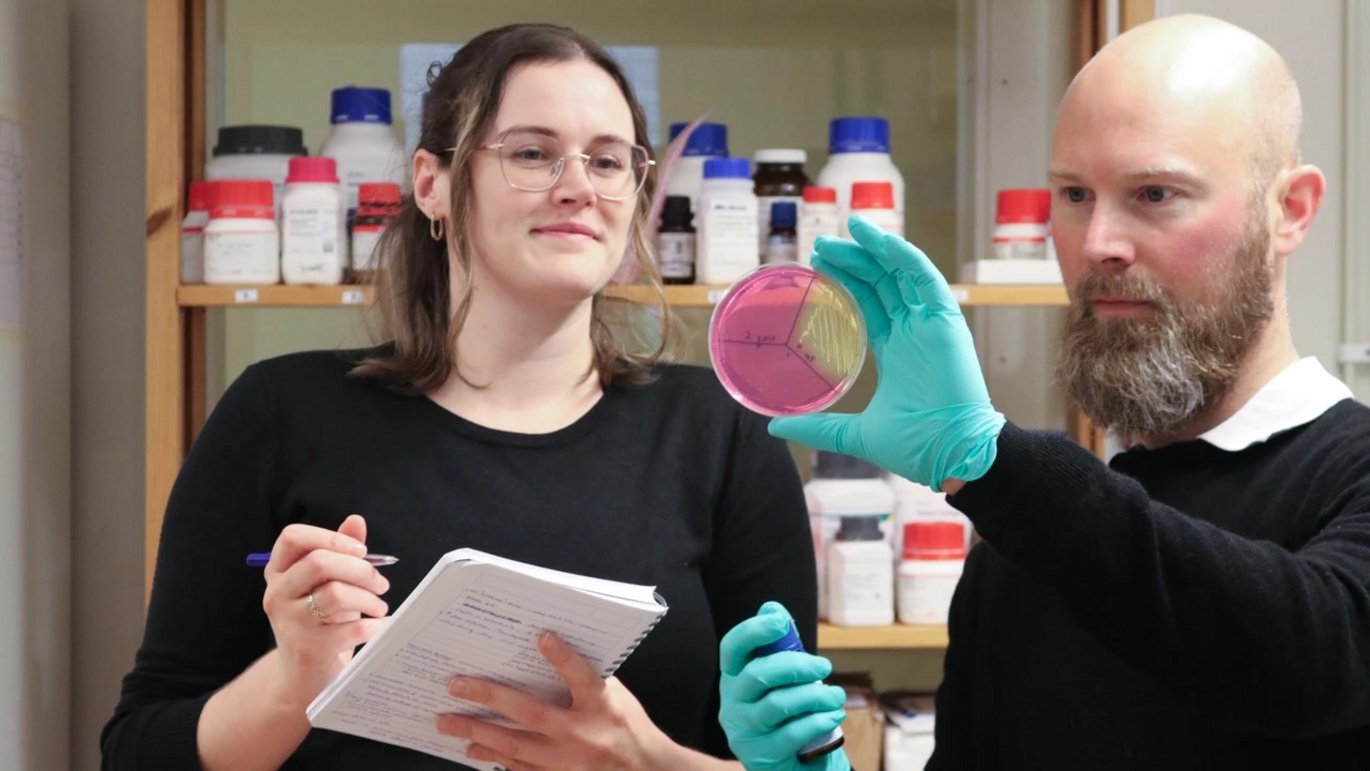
(930, 419)
(774, 705)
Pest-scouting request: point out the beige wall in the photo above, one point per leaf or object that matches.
(107, 152)
(35, 382)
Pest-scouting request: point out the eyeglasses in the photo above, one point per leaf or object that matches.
(532, 161)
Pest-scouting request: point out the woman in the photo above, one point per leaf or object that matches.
(502, 415)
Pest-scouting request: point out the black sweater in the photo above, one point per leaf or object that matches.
(671, 484)
(1189, 608)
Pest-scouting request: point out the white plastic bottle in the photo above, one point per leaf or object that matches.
(1020, 224)
(817, 217)
(312, 230)
(198, 203)
(860, 575)
(256, 152)
(377, 205)
(708, 140)
(842, 486)
(363, 143)
(242, 244)
(726, 221)
(859, 151)
(875, 202)
(934, 557)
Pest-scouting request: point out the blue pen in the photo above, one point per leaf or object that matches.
(260, 558)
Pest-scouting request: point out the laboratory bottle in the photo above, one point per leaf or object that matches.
(781, 241)
(198, 202)
(377, 205)
(256, 152)
(726, 219)
(242, 243)
(708, 140)
(312, 230)
(817, 217)
(860, 574)
(779, 176)
(934, 557)
(1020, 224)
(823, 744)
(841, 485)
(362, 141)
(875, 202)
(859, 151)
(675, 241)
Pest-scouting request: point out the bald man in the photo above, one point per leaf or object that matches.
(1202, 601)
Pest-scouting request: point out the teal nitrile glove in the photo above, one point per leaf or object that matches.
(774, 705)
(930, 419)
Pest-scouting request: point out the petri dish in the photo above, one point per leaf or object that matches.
(787, 340)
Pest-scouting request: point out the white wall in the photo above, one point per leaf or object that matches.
(1312, 36)
(35, 382)
(108, 148)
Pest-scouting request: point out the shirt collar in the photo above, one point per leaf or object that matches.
(1297, 395)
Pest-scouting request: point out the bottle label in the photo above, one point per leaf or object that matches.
(780, 249)
(364, 240)
(310, 232)
(244, 257)
(676, 251)
(727, 238)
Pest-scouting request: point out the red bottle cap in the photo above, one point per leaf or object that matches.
(1023, 206)
(312, 168)
(815, 194)
(872, 195)
(934, 541)
(200, 197)
(378, 199)
(242, 198)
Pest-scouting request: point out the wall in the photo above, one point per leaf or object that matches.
(1313, 37)
(108, 149)
(35, 381)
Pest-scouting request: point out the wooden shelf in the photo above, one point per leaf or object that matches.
(680, 296)
(905, 636)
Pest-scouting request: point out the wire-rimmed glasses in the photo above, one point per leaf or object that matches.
(533, 161)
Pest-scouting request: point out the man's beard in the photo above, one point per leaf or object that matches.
(1150, 376)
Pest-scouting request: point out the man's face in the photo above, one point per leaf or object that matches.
(1164, 245)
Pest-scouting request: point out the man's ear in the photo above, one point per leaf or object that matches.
(430, 186)
(1301, 192)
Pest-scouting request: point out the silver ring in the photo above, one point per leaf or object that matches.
(313, 608)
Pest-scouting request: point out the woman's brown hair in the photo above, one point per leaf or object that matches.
(414, 296)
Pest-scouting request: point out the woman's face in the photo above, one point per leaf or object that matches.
(558, 246)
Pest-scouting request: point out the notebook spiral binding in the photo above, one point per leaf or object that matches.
(618, 662)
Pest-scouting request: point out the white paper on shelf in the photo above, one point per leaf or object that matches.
(641, 64)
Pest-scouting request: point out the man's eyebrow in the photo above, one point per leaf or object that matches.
(1154, 174)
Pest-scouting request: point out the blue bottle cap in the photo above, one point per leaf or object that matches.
(728, 168)
(790, 642)
(706, 139)
(358, 104)
(859, 134)
(783, 214)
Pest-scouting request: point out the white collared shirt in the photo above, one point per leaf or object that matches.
(1297, 395)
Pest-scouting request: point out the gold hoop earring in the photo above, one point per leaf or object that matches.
(435, 228)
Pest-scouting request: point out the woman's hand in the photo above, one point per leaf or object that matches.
(605, 727)
(322, 600)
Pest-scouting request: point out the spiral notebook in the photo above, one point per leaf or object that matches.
(480, 615)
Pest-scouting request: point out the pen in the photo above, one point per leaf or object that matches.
(260, 558)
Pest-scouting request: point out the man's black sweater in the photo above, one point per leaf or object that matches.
(1189, 608)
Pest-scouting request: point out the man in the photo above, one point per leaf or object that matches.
(1204, 600)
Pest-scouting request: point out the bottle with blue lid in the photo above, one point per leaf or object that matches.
(708, 140)
(362, 142)
(823, 744)
(726, 221)
(859, 151)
